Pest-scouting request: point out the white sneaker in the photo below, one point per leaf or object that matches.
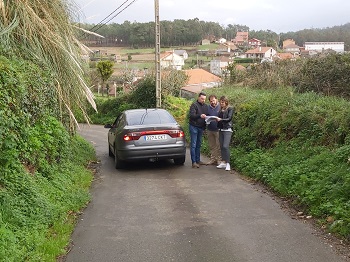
(228, 167)
(222, 165)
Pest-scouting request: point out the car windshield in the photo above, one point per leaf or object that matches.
(149, 117)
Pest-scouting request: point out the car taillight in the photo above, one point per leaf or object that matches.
(131, 136)
(176, 133)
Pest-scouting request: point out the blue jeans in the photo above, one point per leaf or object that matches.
(196, 134)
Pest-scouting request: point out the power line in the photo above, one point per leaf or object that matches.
(103, 24)
(108, 15)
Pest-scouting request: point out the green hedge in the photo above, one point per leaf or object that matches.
(43, 175)
(299, 145)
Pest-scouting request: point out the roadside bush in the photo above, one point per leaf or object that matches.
(328, 74)
(274, 75)
(299, 145)
(43, 177)
(144, 96)
(325, 74)
(38, 195)
(109, 109)
(267, 118)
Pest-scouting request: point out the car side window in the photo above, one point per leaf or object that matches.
(117, 121)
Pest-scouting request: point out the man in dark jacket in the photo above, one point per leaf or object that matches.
(198, 112)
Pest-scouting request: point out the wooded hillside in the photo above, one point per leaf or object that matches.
(186, 32)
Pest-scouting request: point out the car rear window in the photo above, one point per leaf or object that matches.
(150, 117)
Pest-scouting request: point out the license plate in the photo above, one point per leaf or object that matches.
(155, 137)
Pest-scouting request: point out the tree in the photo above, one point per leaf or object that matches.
(172, 81)
(105, 69)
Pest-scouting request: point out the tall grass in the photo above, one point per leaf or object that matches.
(42, 32)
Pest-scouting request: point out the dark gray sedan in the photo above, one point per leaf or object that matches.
(146, 134)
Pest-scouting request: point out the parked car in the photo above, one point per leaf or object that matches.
(146, 134)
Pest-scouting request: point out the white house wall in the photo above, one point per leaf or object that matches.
(320, 46)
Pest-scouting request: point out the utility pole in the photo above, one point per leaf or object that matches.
(158, 74)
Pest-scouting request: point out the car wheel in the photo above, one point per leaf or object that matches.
(180, 160)
(117, 162)
(110, 153)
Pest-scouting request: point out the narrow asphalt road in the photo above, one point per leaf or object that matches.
(162, 212)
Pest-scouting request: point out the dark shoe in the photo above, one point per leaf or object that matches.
(194, 165)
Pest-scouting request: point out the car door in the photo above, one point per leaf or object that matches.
(113, 131)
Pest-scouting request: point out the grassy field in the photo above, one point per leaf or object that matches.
(145, 57)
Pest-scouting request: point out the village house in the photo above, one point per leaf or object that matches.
(223, 50)
(217, 66)
(323, 46)
(253, 43)
(221, 41)
(287, 42)
(232, 46)
(240, 39)
(171, 60)
(292, 48)
(199, 79)
(261, 53)
(205, 42)
(182, 53)
(285, 56)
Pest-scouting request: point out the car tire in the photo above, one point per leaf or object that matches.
(179, 161)
(117, 162)
(110, 153)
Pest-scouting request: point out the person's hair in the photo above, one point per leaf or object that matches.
(225, 99)
(213, 96)
(201, 94)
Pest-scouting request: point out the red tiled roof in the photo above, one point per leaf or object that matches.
(285, 55)
(259, 50)
(197, 76)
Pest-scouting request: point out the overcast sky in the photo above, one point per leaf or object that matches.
(280, 16)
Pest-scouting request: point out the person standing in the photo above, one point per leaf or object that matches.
(198, 112)
(213, 132)
(225, 132)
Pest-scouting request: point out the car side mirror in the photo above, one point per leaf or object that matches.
(108, 126)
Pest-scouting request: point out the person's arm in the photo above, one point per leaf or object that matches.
(194, 112)
(230, 112)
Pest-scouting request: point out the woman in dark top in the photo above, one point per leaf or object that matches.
(225, 132)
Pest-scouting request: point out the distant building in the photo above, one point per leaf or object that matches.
(199, 79)
(222, 41)
(205, 42)
(171, 60)
(323, 46)
(218, 65)
(292, 48)
(288, 42)
(285, 56)
(254, 42)
(182, 53)
(241, 38)
(261, 53)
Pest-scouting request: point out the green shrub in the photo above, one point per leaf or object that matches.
(144, 96)
(43, 177)
(297, 144)
(33, 200)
